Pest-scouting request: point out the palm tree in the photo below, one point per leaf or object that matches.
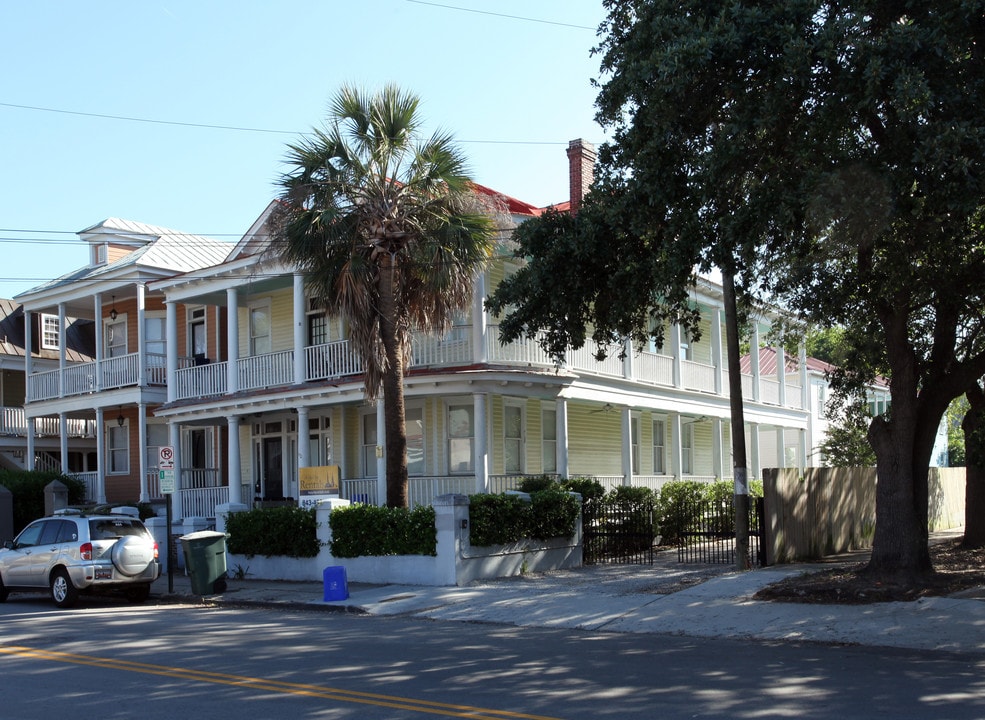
(390, 235)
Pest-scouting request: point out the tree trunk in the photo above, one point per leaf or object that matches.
(393, 391)
(973, 426)
(738, 424)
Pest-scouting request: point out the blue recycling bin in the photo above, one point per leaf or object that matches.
(336, 585)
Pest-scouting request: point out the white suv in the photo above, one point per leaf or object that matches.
(69, 554)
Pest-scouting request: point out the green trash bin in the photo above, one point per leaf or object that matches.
(205, 561)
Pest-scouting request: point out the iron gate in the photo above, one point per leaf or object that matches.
(617, 532)
(707, 534)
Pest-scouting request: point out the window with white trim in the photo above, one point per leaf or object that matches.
(548, 434)
(461, 438)
(115, 337)
(49, 332)
(197, 338)
(118, 448)
(368, 442)
(414, 422)
(659, 447)
(260, 342)
(687, 449)
(634, 439)
(513, 432)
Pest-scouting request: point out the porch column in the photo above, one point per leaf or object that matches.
(718, 465)
(299, 339)
(141, 335)
(31, 431)
(232, 346)
(754, 360)
(63, 449)
(562, 437)
(142, 434)
(304, 448)
(674, 420)
(380, 454)
(626, 418)
(480, 321)
(171, 333)
(805, 391)
(802, 449)
(28, 355)
(481, 444)
(174, 439)
(97, 302)
(233, 461)
(780, 455)
(100, 456)
(61, 349)
(675, 344)
(716, 351)
(341, 456)
(781, 374)
(629, 363)
(757, 470)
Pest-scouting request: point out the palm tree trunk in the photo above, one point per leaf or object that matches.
(393, 391)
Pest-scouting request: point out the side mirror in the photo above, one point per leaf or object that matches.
(8, 544)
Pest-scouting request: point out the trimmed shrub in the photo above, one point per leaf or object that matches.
(497, 519)
(503, 519)
(588, 488)
(678, 501)
(369, 530)
(537, 483)
(287, 531)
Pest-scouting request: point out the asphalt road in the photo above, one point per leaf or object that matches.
(108, 660)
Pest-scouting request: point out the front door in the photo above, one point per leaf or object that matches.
(273, 469)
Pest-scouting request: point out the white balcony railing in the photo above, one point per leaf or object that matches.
(81, 378)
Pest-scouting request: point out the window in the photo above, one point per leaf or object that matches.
(118, 448)
(198, 450)
(49, 332)
(197, 342)
(320, 441)
(260, 343)
(317, 329)
(115, 337)
(156, 347)
(461, 439)
(513, 439)
(548, 430)
(634, 448)
(414, 422)
(369, 442)
(659, 447)
(157, 437)
(687, 449)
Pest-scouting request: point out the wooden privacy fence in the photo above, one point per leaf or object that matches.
(827, 511)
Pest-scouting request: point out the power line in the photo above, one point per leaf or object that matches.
(502, 15)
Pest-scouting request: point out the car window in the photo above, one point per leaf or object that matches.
(29, 536)
(69, 532)
(108, 529)
(49, 535)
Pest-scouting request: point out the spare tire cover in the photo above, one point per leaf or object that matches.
(132, 555)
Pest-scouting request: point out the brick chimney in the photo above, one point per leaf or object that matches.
(581, 171)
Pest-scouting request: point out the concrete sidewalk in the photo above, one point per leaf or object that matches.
(665, 598)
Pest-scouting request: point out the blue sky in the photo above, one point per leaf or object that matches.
(512, 90)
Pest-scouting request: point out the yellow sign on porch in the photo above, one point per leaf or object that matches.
(319, 480)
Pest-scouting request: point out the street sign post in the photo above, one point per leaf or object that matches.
(165, 468)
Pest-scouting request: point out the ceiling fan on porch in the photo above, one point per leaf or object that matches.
(607, 408)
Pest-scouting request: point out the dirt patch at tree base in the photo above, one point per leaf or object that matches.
(955, 569)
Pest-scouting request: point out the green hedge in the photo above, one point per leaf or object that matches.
(503, 519)
(280, 531)
(369, 530)
(27, 492)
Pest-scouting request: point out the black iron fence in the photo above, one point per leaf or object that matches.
(707, 531)
(618, 532)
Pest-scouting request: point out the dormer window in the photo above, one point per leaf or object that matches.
(49, 332)
(99, 254)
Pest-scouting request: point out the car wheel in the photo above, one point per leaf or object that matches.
(132, 554)
(3, 591)
(137, 593)
(63, 592)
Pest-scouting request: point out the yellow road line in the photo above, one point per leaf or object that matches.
(315, 691)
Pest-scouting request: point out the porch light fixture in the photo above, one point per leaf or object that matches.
(120, 419)
(113, 315)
